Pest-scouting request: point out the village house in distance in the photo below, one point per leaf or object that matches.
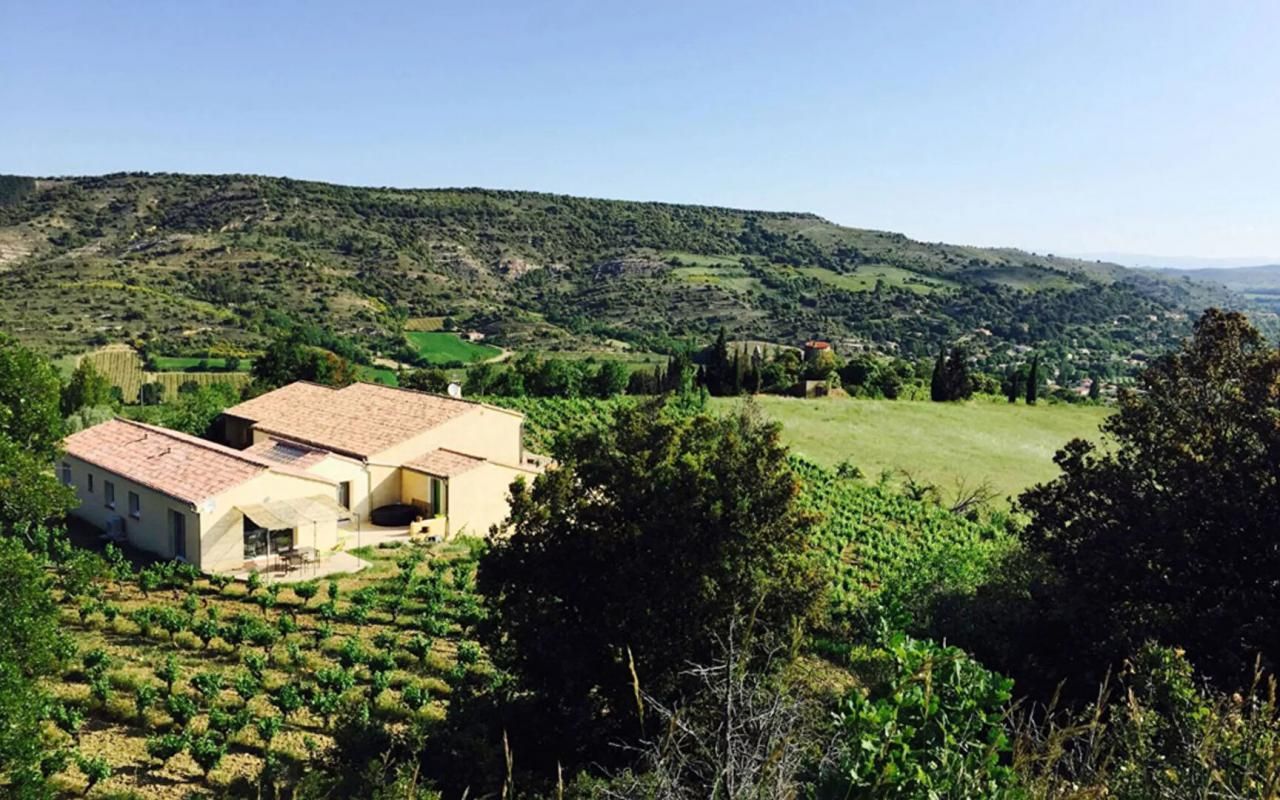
(303, 468)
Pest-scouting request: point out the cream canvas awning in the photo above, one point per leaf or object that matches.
(294, 512)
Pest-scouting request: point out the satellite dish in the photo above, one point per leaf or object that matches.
(455, 391)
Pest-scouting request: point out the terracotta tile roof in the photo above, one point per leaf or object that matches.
(170, 462)
(288, 454)
(444, 463)
(362, 419)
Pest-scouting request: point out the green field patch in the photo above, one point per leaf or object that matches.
(865, 277)
(698, 260)
(1025, 278)
(443, 348)
(1009, 446)
(730, 277)
(382, 375)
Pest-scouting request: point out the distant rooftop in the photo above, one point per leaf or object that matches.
(362, 419)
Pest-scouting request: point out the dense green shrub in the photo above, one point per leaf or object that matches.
(933, 726)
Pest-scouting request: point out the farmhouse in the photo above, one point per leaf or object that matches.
(303, 466)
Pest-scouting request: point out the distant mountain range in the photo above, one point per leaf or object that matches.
(186, 262)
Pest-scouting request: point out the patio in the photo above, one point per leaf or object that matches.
(336, 563)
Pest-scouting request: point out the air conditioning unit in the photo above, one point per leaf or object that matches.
(115, 529)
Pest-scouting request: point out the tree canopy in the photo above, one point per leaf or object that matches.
(626, 561)
(1167, 531)
(28, 641)
(30, 400)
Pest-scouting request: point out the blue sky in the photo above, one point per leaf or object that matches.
(1070, 127)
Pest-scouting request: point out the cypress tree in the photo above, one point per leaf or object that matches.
(957, 384)
(1033, 379)
(718, 374)
(937, 384)
(1095, 387)
(1012, 384)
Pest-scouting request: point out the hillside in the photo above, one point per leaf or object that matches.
(187, 261)
(1260, 284)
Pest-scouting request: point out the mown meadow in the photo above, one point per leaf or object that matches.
(1009, 446)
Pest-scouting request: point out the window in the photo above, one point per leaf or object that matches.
(344, 495)
(66, 474)
(109, 494)
(89, 478)
(135, 506)
(255, 540)
(178, 531)
(281, 540)
(258, 541)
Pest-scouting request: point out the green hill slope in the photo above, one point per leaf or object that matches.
(189, 260)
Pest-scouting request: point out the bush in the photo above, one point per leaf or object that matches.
(935, 727)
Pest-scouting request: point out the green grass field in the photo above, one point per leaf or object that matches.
(864, 279)
(443, 348)
(1011, 447)
(364, 372)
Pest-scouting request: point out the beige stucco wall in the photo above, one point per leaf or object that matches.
(488, 433)
(150, 531)
(214, 533)
(478, 498)
(222, 539)
(339, 468)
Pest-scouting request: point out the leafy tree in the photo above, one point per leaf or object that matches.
(87, 388)
(30, 495)
(719, 376)
(195, 411)
(1167, 531)
(151, 394)
(629, 557)
(426, 380)
(610, 379)
(951, 379)
(1013, 384)
(30, 401)
(28, 651)
(290, 358)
